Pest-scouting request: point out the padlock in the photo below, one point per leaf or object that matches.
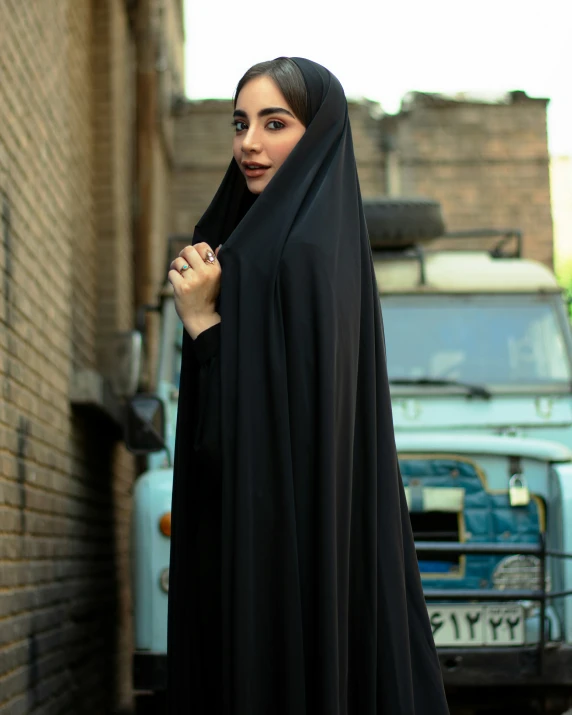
(518, 492)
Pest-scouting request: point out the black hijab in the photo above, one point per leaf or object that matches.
(322, 606)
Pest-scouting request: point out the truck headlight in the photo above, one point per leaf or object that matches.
(519, 572)
(164, 580)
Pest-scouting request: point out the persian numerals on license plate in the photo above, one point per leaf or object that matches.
(475, 625)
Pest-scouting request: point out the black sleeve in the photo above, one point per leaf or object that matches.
(207, 436)
(207, 345)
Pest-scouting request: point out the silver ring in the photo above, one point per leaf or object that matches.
(183, 268)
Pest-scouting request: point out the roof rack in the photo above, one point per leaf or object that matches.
(418, 252)
(499, 250)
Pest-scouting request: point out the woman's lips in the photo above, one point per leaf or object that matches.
(255, 171)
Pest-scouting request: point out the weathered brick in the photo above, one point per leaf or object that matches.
(67, 139)
(486, 163)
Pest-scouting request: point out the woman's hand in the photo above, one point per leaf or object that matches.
(195, 277)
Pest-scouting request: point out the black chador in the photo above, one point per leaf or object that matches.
(294, 586)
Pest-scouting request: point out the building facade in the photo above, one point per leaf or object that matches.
(486, 162)
(99, 161)
(203, 141)
(85, 187)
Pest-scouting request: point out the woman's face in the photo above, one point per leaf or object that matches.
(266, 132)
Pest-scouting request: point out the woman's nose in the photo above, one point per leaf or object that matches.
(251, 141)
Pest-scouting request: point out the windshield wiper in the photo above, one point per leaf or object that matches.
(473, 390)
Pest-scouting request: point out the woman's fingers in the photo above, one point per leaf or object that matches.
(193, 270)
(199, 252)
(206, 253)
(175, 278)
(180, 264)
(192, 257)
(195, 276)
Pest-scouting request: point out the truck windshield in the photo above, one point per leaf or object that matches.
(487, 339)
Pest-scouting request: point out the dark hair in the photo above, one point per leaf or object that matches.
(290, 81)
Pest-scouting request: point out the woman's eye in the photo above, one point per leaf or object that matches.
(275, 124)
(238, 125)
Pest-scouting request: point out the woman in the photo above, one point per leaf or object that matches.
(294, 581)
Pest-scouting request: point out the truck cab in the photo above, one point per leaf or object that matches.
(479, 357)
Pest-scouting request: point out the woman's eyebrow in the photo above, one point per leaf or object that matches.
(263, 112)
(274, 110)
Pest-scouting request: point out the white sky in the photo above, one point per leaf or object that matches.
(383, 49)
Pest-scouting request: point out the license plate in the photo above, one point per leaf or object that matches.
(477, 625)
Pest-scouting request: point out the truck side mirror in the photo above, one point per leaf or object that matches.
(120, 360)
(145, 424)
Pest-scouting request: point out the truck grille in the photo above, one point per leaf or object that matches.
(436, 526)
(449, 501)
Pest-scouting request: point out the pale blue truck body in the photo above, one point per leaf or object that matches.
(447, 437)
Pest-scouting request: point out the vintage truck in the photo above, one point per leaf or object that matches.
(479, 353)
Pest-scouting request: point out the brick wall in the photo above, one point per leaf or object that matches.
(67, 142)
(113, 119)
(367, 147)
(487, 163)
(203, 150)
(170, 76)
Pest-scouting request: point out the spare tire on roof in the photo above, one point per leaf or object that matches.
(395, 222)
